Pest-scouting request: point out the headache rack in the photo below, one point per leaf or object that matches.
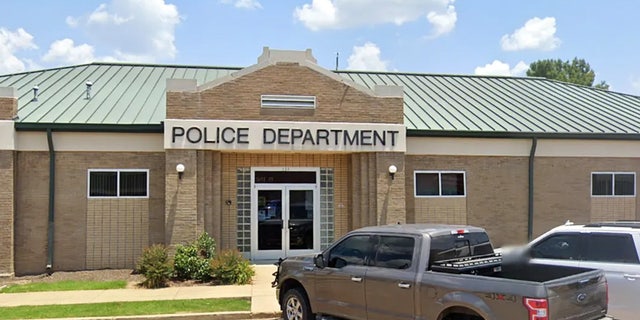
(481, 265)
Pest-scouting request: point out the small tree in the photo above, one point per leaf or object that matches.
(576, 71)
(192, 261)
(230, 267)
(155, 265)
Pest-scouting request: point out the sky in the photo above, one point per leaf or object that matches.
(484, 37)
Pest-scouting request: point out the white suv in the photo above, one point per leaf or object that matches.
(611, 246)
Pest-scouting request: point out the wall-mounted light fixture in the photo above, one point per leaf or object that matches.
(180, 170)
(392, 171)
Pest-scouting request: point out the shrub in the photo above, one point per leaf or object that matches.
(230, 267)
(191, 261)
(154, 264)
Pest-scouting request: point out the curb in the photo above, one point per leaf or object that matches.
(239, 315)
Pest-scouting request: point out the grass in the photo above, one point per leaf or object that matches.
(64, 286)
(125, 308)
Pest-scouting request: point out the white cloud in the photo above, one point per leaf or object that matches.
(443, 23)
(65, 51)
(499, 68)
(635, 85)
(134, 28)
(244, 4)
(339, 14)
(536, 34)
(10, 43)
(366, 57)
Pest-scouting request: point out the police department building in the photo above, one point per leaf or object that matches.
(102, 160)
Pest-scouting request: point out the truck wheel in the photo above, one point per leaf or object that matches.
(296, 306)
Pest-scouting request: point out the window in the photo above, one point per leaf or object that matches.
(613, 184)
(118, 183)
(287, 101)
(456, 246)
(600, 248)
(394, 252)
(561, 246)
(439, 184)
(354, 250)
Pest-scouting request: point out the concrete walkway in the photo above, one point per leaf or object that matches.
(263, 298)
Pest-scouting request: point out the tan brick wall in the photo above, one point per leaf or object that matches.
(117, 232)
(231, 161)
(239, 99)
(563, 191)
(71, 234)
(497, 194)
(7, 207)
(441, 210)
(181, 194)
(8, 108)
(613, 208)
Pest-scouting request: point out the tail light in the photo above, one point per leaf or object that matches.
(538, 308)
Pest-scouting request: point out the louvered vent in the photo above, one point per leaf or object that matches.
(286, 101)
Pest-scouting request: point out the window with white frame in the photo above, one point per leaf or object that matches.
(613, 184)
(439, 184)
(118, 183)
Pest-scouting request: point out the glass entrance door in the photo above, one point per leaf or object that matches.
(285, 221)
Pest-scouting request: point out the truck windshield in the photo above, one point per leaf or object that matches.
(456, 246)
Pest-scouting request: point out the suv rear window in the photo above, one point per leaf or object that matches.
(455, 246)
(611, 248)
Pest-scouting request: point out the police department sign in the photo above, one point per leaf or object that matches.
(283, 136)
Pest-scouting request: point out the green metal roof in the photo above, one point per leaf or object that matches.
(131, 95)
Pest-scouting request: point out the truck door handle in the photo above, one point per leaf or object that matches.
(404, 285)
(631, 277)
(356, 279)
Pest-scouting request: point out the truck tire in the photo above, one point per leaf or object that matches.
(296, 306)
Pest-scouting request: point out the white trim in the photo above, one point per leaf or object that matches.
(439, 172)
(613, 184)
(8, 134)
(89, 171)
(91, 141)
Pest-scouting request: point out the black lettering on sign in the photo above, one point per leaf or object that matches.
(295, 135)
(228, 135)
(176, 132)
(308, 136)
(283, 136)
(243, 135)
(322, 134)
(365, 137)
(268, 136)
(194, 135)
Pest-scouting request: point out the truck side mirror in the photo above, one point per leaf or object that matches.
(319, 261)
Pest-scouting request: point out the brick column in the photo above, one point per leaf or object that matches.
(8, 110)
(181, 196)
(391, 202)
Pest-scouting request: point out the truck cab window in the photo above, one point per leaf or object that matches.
(354, 250)
(394, 252)
(561, 246)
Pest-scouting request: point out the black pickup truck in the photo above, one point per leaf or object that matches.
(432, 272)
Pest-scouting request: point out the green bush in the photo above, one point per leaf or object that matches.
(154, 264)
(230, 267)
(191, 261)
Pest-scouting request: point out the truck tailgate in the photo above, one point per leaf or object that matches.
(581, 296)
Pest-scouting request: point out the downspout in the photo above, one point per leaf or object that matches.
(52, 192)
(532, 153)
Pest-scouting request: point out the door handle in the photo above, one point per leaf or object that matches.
(356, 279)
(631, 277)
(403, 285)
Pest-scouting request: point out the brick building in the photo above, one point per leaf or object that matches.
(99, 161)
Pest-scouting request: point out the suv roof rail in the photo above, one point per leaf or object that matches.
(619, 223)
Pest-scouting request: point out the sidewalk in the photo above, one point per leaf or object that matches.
(263, 299)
